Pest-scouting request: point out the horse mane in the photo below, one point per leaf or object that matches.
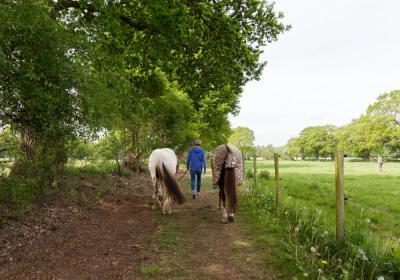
(172, 186)
(230, 188)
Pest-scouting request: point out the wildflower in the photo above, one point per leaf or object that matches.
(286, 212)
(367, 221)
(361, 251)
(313, 250)
(324, 262)
(320, 271)
(305, 274)
(364, 258)
(380, 278)
(296, 229)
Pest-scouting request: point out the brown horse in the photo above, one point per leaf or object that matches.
(227, 171)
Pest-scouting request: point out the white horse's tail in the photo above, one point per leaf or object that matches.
(171, 184)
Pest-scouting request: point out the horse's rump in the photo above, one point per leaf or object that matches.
(227, 156)
(162, 165)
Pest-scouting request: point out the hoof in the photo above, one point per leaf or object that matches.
(231, 219)
(224, 221)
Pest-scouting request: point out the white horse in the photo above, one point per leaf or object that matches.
(163, 165)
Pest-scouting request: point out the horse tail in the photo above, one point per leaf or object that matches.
(230, 189)
(172, 186)
(158, 173)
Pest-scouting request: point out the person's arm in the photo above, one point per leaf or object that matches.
(188, 160)
(204, 162)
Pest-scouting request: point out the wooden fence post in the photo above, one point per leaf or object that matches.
(277, 183)
(255, 169)
(339, 181)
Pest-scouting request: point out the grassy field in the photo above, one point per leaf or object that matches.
(372, 195)
(305, 218)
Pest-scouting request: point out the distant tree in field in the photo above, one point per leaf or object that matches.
(268, 151)
(243, 138)
(317, 141)
(387, 109)
(369, 134)
(265, 151)
(388, 104)
(292, 149)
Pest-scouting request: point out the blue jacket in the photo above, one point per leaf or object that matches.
(196, 159)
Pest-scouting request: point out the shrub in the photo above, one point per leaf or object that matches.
(264, 175)
(249, 174)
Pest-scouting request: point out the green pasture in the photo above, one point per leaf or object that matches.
(373, 198)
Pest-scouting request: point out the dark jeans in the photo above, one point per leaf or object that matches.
(193, 174)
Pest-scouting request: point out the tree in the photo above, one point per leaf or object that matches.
(387, 109)
(40, 85)
(210, 48)
(317, 141)
(243, 138)
(388, 104)
(292, 148)
(265, 151)
(369, 134)
(9, 141)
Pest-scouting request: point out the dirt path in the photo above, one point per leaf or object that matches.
(121, 237)
(204, 248)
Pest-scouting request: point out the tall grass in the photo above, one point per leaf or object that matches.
(305, 219)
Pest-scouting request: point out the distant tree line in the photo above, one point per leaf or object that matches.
(377, 132)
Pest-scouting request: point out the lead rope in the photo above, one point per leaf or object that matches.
(182, 176)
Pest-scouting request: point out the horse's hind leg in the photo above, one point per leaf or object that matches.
(154, 196)
(167, 205)
(219, 200)
(157, 195)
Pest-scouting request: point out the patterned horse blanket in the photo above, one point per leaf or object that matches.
(232, 158)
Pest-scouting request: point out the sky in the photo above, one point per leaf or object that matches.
(336, 60)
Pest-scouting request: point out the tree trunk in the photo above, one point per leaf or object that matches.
(28, 147)
(366, 157)
(119, 167)
(28, 142)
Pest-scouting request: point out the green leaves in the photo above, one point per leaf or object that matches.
(243, 138)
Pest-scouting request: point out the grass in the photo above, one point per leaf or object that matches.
(311, 184)
(306, 216)
(149, 270)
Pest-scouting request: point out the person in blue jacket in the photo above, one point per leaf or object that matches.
(196, 162)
